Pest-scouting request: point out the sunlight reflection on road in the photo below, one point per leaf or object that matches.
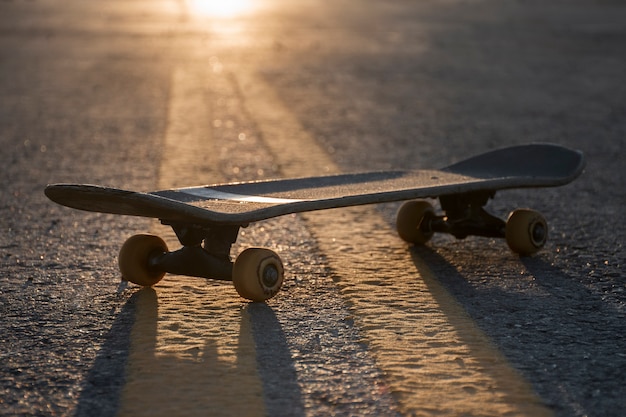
(221, 8)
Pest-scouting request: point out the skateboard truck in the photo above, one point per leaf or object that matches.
(257, 273)
(465, 215)
(205, 252)
(525, 230)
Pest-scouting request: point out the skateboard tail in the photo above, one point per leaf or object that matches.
(547, 164)
(114, 201)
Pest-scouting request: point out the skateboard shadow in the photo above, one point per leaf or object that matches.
(543, 330)
(257, 359)
(103, 385)
(276, 367)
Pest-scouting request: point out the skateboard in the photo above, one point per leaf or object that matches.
(207, 219)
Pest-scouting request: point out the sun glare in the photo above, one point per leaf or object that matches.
(219, 8)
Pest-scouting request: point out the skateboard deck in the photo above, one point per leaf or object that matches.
(536, 165)
(207, 219)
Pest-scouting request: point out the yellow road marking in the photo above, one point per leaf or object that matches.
(436, 359)
(192, 351)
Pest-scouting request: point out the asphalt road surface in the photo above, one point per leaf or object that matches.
(152, 94)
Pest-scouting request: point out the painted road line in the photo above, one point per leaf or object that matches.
(436, 359)
(192, 351)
